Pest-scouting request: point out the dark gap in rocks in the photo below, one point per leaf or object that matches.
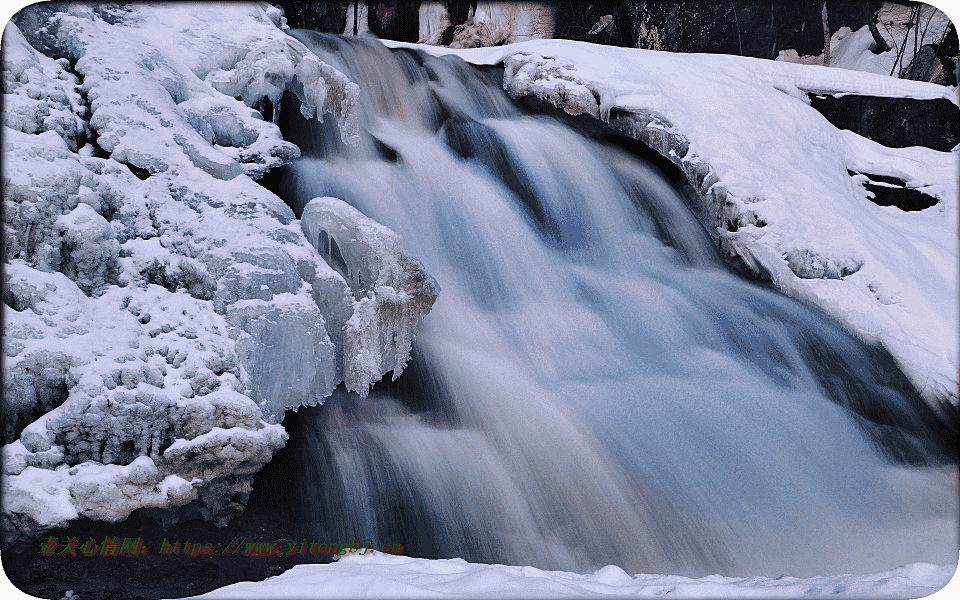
(265, 107)
(892, 191)
(397, 20)
(141, 173)
(906, 199)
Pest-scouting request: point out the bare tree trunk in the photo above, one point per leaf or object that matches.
(882, 45)
(826, 35)
(356, 19)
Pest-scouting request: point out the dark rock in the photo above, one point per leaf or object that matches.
(758, 28)
(596, 22)
(395, 20)
(895, 122)
(926, 66)
(326, 17)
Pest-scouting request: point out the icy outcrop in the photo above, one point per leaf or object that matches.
(361, 18)
(434, 20)
(89, 251)
(162, 309)
(550, 79)
(267, 336)
(498, 23)
(392, 289)
(39, 93)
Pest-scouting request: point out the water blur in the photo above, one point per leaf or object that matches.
(594, 386)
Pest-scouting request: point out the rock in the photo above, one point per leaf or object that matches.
(894, 122)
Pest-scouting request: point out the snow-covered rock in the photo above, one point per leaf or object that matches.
(392, 290)
(39, 93)
(163, 309)
(773, 182)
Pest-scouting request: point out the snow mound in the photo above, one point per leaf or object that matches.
(392, 290)
(377, 575)
(773, 180)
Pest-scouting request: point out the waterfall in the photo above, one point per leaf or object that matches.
(594, 385)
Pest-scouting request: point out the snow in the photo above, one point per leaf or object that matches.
(378, 575)
(772, 177)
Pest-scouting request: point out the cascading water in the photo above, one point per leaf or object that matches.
(593, 385)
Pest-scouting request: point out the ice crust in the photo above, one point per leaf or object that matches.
(162, 309)
(772, 181)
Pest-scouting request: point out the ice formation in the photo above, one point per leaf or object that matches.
(772, 180)
(163, 310)
(392, 289)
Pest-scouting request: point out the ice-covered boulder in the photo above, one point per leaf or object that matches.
(89, 250)
(392, 290)
(162, 308)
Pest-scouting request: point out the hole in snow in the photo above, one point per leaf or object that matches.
(892, 191)
(139, 172)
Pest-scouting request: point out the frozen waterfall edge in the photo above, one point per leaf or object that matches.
(155, 382)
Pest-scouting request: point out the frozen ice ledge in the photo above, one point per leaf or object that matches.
(162, 308)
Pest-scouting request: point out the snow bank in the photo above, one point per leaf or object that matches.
(392, 289)
(162, 309)
(773, 182)
(377, 575)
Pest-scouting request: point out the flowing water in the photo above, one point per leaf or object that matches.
(594, 386)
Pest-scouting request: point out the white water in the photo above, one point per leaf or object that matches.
(593, 386)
